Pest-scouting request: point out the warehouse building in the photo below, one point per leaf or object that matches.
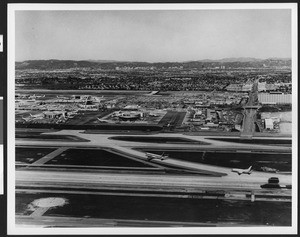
(275, 98)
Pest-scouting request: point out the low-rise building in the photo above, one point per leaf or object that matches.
(54, 114)
(234, 87)
(262, 86)
(269, 124)
(275, 98)
(247, 87)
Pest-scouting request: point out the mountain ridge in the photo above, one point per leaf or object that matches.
(231, 59)
(53, 64)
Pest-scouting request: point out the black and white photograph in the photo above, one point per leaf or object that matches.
(152, 118)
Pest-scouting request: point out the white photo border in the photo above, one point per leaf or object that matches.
(13, 230)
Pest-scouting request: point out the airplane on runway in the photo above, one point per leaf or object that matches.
(27, 119)
(243, 171)
(20, 96)
(33, 117)
(37, 116)
(101, 121)
(151, 156)
(36, 96)
(62, 97)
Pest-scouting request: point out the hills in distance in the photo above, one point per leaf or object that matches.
(245, 62)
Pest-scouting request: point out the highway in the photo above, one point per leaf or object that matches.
(248, 123)
(250, 111)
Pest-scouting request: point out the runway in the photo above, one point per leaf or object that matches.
(230, 182)
(210, 177)
(148, 183)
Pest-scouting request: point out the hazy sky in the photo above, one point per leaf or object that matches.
(161, 35)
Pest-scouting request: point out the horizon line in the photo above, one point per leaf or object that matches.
(134, 61)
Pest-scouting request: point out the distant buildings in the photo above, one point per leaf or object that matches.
(247, 87)
(54, 114)
(131, 107)
(89, 106)
(239, 87)
(262, 86)
(275, 98)
(130, 116)
(234, 87)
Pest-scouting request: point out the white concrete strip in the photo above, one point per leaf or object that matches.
(50, 156)
(39, 212)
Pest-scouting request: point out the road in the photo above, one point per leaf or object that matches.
(250, 110)
(248, 123)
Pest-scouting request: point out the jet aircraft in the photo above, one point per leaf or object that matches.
(243, 171)
(151, 156)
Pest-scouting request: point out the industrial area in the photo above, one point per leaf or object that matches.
(180, 111)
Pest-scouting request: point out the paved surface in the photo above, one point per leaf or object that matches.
(248, 123)
(224, 180)
(250, 111)
(97, 222)
(124, 147)
(100, 180)
(39, 212)
(103, 140)
(50, 156)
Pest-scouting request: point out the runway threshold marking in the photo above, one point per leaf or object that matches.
(50, 156)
